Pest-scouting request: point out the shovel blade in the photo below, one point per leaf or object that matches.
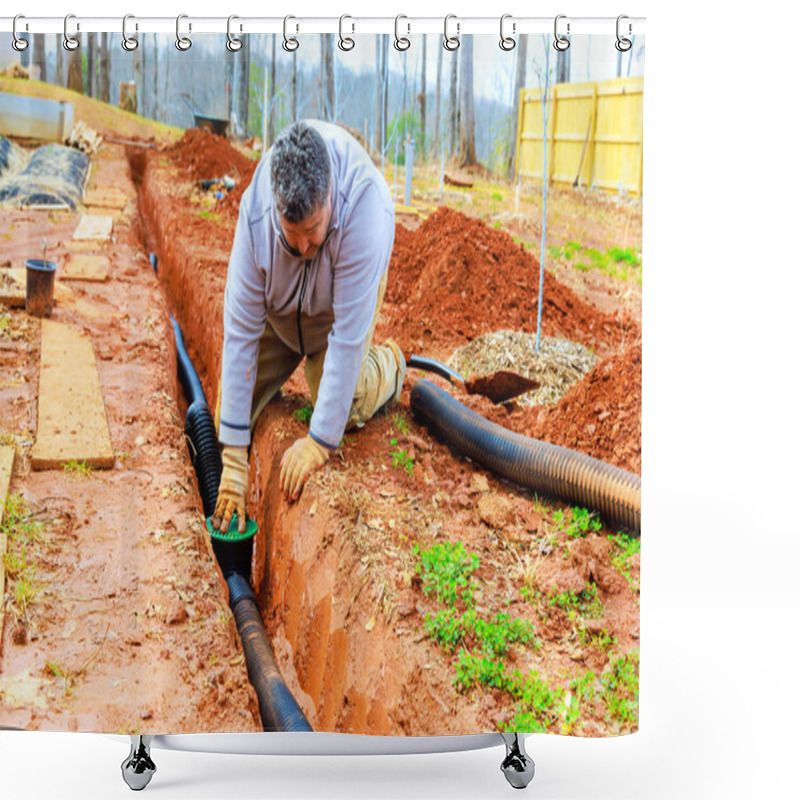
(501, 385)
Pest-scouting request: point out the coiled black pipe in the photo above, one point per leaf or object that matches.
(187, 374)
(279, 710)
(204, 451)
(544, 467)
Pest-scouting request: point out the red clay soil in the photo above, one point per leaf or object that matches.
(201, 155)
(601, 415)
(455, 278)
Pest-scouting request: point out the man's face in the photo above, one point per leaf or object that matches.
(308, 235)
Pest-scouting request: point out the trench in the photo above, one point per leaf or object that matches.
(340, 680)
(307, 581)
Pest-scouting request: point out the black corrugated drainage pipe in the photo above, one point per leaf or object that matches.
(541, 466)
(279, 710)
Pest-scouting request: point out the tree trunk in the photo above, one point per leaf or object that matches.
(453, 100)
(376, 124)
(75, 74)
(437, 125)
(39, 55)
(562, 66)
(243, 88)
(466, 137)
(137, 77)
(155, 78)
(423, 97)
(271, 131)
(91, 64)
(59, 64)
(385, 84)
(519, 84)
(327, 84)
(294, 86)
(103, 89)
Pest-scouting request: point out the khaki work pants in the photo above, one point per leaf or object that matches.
(379, 380)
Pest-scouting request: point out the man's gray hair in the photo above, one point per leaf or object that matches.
(300, 171)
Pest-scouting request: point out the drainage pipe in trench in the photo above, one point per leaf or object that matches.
(541, 466)
(278, 708)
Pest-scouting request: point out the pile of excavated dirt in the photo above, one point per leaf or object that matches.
(455, 278)
(601, 414)
(203, 155)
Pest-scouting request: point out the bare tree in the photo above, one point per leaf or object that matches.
(423, 96)
(376, 126)
(59, 65)
(243, 87)
(137, 77)
(519, 85)
(75, 74)
(437, 121)
(39, 55)
(103, 88)
(271, 133)
(294, 86)
(453, 100)
(91, 64)
(155, 78)
(328, 83)
(466, 132)
(562, 66)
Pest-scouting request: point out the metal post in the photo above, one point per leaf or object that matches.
(544, 190)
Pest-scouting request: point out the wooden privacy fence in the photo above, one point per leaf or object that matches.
(592, 127)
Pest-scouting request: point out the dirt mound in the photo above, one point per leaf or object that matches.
(205, 155)
(455, 277)
(601, 415)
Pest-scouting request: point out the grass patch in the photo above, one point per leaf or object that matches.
(576, 522)
(621, 688)
(402, 458)
(79, 468)
(584, 603)
(400, 422)
(624, 547)
(615, 261)
(303, 414)
(19, 562)
(205, 214)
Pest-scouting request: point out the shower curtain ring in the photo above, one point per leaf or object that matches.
(19, 44)
(561, 43)
(401, 43)
(233, 44)
(507, 42)
(182, 42)
(346, 43)
(70, 42)
(451, 42)
(129, 42)
(622, 44)
(290, 44)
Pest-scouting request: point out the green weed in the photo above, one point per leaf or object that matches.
(402, 458)
(624, 547)
(400, 422)
(583, 603)
(303, 414)
(445, 569)
(621, 688)
(210, 215)
(78, 468)
(577, 523)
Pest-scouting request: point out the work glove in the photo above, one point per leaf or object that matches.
(232, 489)
(298, 462)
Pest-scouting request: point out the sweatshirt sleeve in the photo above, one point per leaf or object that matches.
(245, 316)
(364, 253)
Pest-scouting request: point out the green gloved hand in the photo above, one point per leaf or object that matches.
(298, 462)
(232, 489)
